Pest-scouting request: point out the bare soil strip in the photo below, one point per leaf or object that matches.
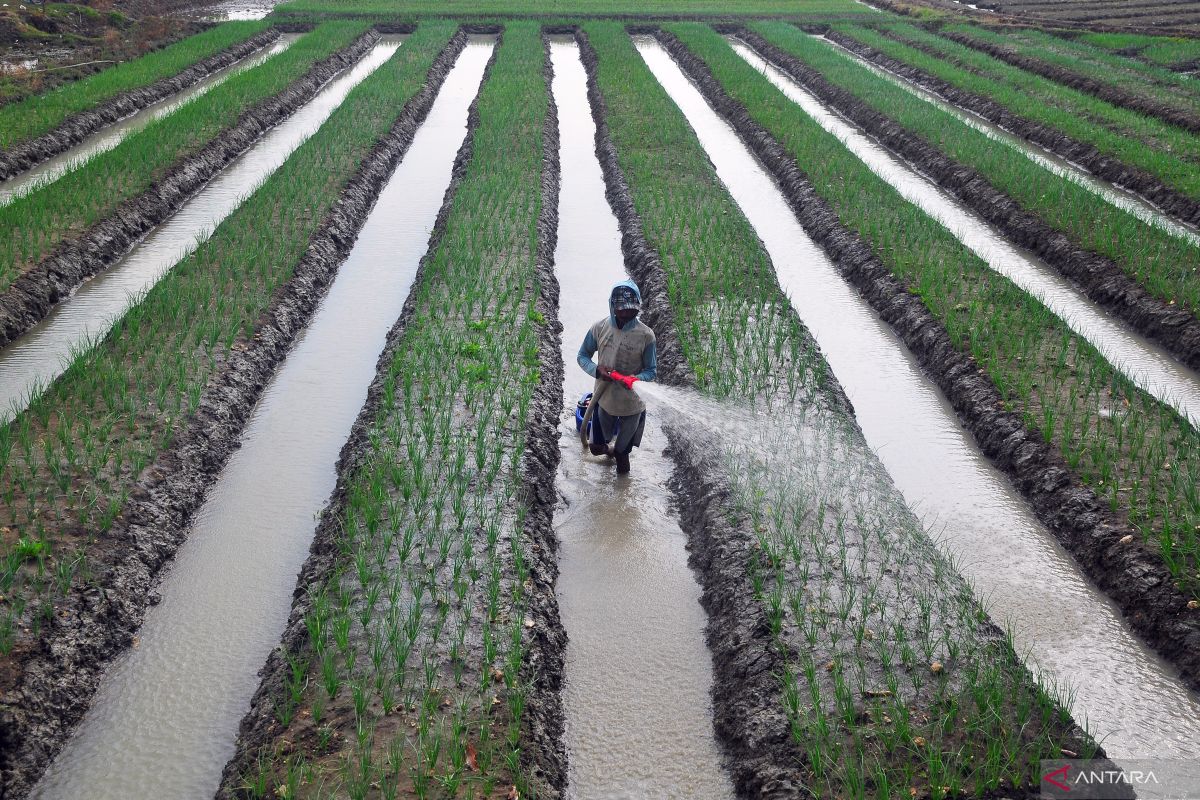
(98, 624)
(1098, 277)
(36, 292)
(1139, 181)
(1131, 574)
(74, 129)
(1097, 88)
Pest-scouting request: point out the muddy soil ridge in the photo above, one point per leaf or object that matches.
(1132, 574)
(1097, 276)
(1112, 170)
(544, 758)
(1100, 89)
(748, 709)
(35, 293)
(100, 621)
(79, 126)
(545, 761)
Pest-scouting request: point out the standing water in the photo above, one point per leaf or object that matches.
(110, 136)
(32, 362)
(1133, 703)
(1145, 363)
(164, 720)
(1110, 193)
(639, 719)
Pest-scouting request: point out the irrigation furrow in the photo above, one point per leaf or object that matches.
(232, 340)
(1107, 92)
(748, 711)
(1135, 179)
(436, 565)
(1136, 577)
(23, 155)
(47, 349)
(792, 519)
(59, 236)
(108, 137)
(1143, 362)
(164, 718)
(1159, 303)
(638, 673)
(1117, 196)
(1074, 636)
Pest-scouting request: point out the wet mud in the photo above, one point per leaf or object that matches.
(99, 621)
(543, 758)
(78, 127)
(1085, 155)
(36, 292)
(1105, 91)
(1131, 574)
(1101, 279)
(748, 710)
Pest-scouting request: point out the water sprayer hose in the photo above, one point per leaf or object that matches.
(587, 415)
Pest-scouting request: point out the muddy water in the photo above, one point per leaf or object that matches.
(164, 719)
(1111, 193)
(109, 137)
(1074, 636)
(1148, 365)
(639, 720)
(29, 364)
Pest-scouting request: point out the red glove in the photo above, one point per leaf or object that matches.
(628, 380)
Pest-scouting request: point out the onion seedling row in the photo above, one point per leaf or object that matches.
(1174, 53)
(69, 463)
(1165, 265)
(32, 227)
(1133, 451)
(1084, 60)
(863, 612)
(1162, 151)
(491, 10)
(411, 679)
(40, 114)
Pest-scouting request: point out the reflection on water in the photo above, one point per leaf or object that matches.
(639, 719)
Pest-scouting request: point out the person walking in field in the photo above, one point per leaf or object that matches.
(623, 344)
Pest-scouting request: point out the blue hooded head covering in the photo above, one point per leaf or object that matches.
(623, 295)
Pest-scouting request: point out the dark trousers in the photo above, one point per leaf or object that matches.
(627, 430)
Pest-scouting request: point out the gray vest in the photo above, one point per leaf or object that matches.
(622, 350)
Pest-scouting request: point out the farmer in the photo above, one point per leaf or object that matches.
(622, 343)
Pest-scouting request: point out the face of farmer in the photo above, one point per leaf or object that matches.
(624, 315)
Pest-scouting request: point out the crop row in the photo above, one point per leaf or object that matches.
(1170, 110)
(1161, 150)
(411, 676)
(1093, 62)
(490, 10)
(35, 116)
(888, 674)
(35, 225)
(1131, 450)
(70, 462)
(1171, 52)
(1151, 257)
